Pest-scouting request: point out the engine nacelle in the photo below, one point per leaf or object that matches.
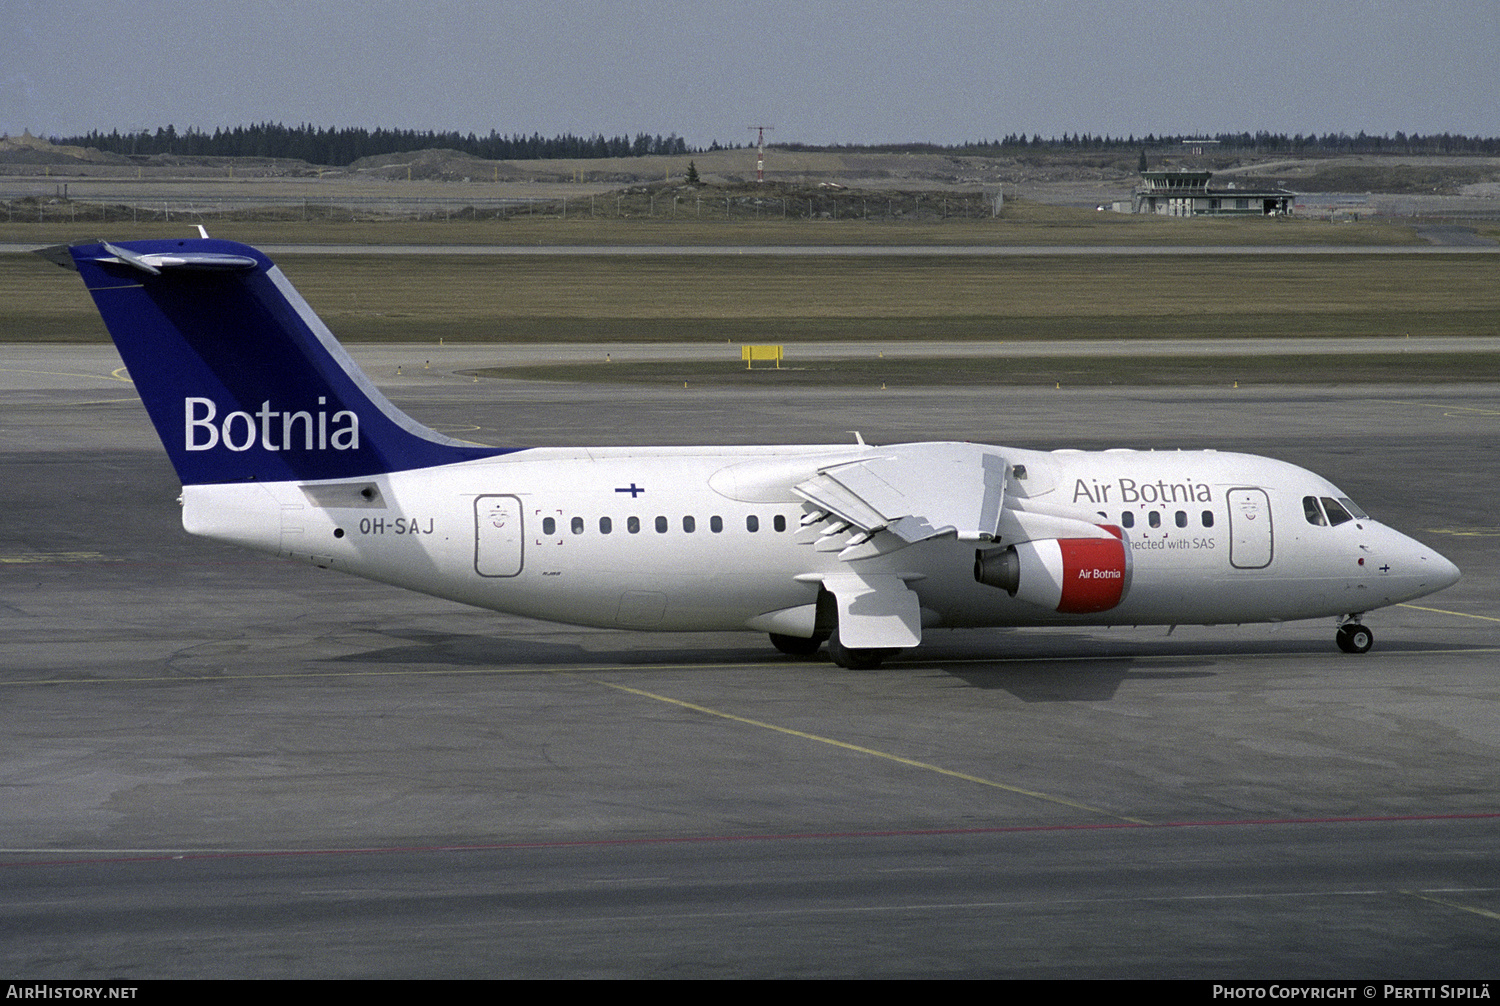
(1075, 576)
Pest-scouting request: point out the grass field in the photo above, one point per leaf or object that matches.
(793, 299)
(733, 298)
(1021, 223)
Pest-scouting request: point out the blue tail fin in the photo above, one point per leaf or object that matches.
(242, 380)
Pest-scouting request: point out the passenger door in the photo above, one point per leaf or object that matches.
(1250, 545)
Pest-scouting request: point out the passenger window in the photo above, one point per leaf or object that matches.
(633, 525)
(1154, 519)
(549, 526)
(1208, 518)
(606, 525)
(779, 522)
(689, 525)
(1127, 519)
(716, 524)
(752, 523)
(578, 525)
(1181, 518)
(661, 525)
(1336, 514)
(1312, 513)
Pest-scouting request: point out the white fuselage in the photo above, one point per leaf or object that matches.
(714, 538)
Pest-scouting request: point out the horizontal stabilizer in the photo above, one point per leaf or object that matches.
(152, 265)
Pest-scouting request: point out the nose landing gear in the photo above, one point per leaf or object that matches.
(1353, 637)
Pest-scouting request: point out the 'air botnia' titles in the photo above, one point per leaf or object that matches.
(1130, 491)
(268, 428)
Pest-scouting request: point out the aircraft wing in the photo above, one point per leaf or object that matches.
(889, 498)
(914, 491)
(880, 501)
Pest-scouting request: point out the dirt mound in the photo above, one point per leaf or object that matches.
(28, 149)
(438, 164)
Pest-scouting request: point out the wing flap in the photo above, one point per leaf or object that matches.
(915, 491)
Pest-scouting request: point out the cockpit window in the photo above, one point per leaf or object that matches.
(1336, 514)
(1353, 508)
(1313, 512)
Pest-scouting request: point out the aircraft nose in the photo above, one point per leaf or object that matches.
(1445, 573)
(1434, 571)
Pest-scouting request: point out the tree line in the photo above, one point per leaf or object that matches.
(1258, 142)
(342, 147)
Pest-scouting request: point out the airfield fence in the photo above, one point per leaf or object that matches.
(906, 207)
(636, 203)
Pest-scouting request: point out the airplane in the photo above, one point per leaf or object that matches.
(283, 445)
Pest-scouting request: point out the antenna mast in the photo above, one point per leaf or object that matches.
(760, 156)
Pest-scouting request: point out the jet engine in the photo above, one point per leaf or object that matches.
(1075, 576)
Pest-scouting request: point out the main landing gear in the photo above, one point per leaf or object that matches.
(796, 646)
(847, 657)
(853, 659)
(1353, 637)
(825, 629)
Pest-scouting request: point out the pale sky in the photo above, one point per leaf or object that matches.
(840, 72)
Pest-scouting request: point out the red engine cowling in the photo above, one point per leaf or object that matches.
(1076, 576)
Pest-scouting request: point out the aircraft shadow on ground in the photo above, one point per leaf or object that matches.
(1034, 667)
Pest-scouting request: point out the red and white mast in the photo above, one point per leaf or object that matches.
(760, 156)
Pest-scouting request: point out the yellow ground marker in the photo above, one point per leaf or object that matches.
(18, 558)
(1453, 904)
(1444, 611)
(118, 374)
(898, 759)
